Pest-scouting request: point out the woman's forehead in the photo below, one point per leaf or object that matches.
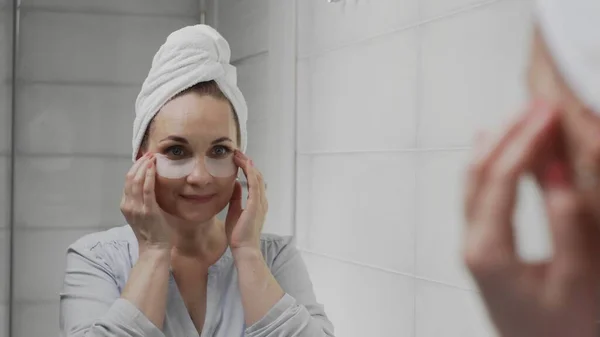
(195, 115)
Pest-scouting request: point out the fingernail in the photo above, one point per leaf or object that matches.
(251, 162)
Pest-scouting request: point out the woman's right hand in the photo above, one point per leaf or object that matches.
(553, 298)
(140, 208)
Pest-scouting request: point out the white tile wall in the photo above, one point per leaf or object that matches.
(75, 119)
(4, 266)
(4, 281)
(445, 311)
(4, 190)
(362, 301)
(5, 76)
(69, 192)
(362, 98)
(533, 237)
(263, 138)
(36, 319)
(253, 81)
(5, 134)
(434, 8)
(440, 223)
(259, 135)
(258, 46)
(323, 26)
(361, 208)
(86, 60)
(439, 217)
(6, 41)
(40, 262)
(460, 53)
(157, 7)
(90, 47)
(5, 117)
(4, 320)
(416, 80)
(244, 25)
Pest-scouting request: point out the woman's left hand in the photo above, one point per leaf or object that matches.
(244, 226)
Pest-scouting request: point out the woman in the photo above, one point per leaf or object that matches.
(558, 141)
(175, 269)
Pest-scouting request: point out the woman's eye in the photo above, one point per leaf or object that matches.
(221, 151)
(175, 151)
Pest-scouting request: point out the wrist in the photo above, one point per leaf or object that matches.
(153, 252)
(247, 253)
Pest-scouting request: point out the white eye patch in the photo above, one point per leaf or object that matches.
(180, 168)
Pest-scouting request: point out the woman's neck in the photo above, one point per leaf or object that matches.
(204, 243)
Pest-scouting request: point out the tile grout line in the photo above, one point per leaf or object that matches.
(382, 151)
(418, 111)
(11, 210)
(99, 12)
(295, 129)
(398, 30)
(385, 270)
(20, 227)
(244, 59)
(77, 83)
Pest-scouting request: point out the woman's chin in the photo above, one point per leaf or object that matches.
(196, 215)
(195, 218)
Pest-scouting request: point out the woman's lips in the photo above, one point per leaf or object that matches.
(201, 199)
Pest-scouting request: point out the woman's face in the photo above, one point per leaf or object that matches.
(198, 127)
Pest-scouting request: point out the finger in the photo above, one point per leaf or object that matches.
(254, 186)
(137, 185)
(263, 189)
(251, 174)
(486, 151)
(235, 207)
(482, 143)
(132, 173)
(574, 235)
(149, 194)
(573, 256)
(493, 220)
(586, 157)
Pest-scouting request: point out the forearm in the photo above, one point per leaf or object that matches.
(259, 289)
(147, 285)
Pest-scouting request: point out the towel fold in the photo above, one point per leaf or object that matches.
(189, 56)
(571, 29)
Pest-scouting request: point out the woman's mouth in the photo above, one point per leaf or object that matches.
(200, 199)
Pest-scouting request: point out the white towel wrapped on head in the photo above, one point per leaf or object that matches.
(571, 29)
(189, 56)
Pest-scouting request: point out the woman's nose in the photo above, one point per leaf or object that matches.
(199, 175)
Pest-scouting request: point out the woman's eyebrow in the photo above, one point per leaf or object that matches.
(222, 139)
(176, 139)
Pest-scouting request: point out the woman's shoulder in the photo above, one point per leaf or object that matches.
(122, 234)
(115, 245)
(277, 249)
(111, 251)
